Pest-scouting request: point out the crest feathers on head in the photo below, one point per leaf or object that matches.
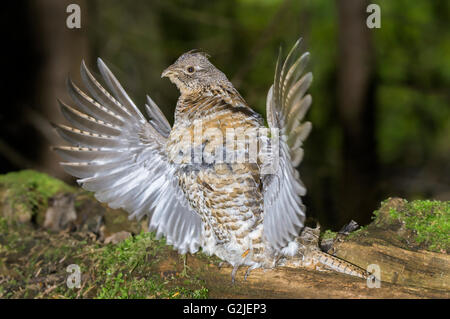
(199, 51)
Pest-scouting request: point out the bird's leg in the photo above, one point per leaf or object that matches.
(249, 269)
(233, 273)
(185, 267)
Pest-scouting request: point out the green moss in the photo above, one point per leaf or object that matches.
(33, 263)
(328, 234)
(127, 270)
(131, 252)
(428, 219)
(41, 183)
(26, 192)
(362, 231)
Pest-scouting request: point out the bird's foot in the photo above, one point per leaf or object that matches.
(247, 272)
(249, 269)
(184, 273)
(233, 274)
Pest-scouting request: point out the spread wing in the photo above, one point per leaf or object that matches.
(118, 154)
(286, 106)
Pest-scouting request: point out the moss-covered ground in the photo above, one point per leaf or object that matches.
(33, 264)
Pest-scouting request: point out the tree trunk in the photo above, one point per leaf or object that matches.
(61, 50)
(355, 96)
(41, 52)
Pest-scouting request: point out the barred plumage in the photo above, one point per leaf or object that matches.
(230, 208)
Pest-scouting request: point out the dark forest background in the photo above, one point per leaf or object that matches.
(381, 97)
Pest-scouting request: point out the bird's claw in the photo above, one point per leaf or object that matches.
(184, 273)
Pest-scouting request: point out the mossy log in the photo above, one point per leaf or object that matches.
(387, 243)
(406, 240)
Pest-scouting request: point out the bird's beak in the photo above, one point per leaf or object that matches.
(167, 72)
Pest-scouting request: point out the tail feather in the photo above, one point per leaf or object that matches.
(340, 265)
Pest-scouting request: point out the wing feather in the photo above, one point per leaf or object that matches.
(157, 118)
(120, 156)
(286, 106)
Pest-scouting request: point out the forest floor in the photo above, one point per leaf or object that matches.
(48, 228)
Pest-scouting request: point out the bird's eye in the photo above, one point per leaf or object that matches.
(190, 69)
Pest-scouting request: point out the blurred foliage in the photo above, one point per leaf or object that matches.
(413, 65)
(139, 39)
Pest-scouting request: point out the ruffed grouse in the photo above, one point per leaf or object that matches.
(218, 179)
